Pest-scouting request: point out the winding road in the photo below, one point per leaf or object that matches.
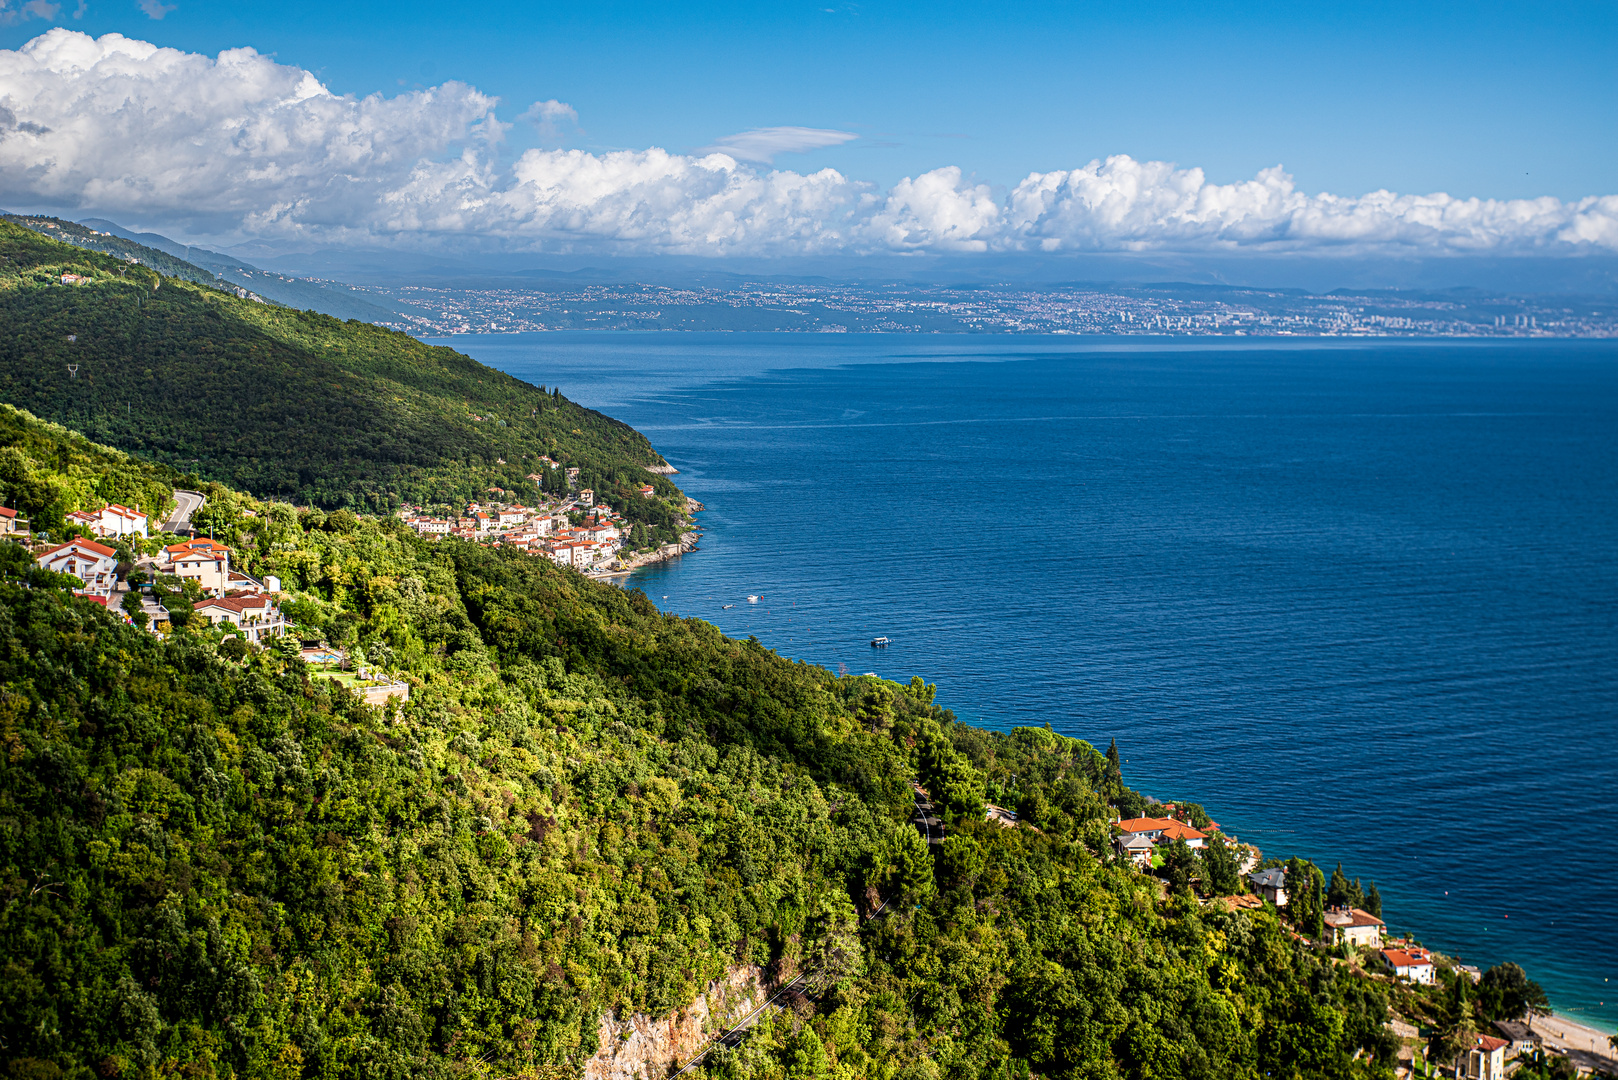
(186, 503)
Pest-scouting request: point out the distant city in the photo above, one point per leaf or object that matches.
(849, 308)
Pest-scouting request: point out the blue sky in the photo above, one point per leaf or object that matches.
(1492, 100)
(1488, 101)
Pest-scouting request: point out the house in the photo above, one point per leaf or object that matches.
(482, 521)
(12, 524)
(1521, 1038)
(1178, 830)
(647, 491)
(587, 497)
(426, 526)
(516, 515)
(1149, 827)
(1271, 884)
(1483, 1059)
(257, 617)
(1350, 925)
(110, 520)
(94, 564)
(1412, 963)
(207, 562)
(1163, 830)
(599, 531)
(119, 520)
(1136, 848)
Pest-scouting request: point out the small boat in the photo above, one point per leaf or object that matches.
(879, 643)
(752, 599)
(726, 607)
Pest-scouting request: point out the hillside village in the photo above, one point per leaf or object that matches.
(123, 565)
(576, 531)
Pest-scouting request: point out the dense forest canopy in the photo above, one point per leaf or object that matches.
(287, 404)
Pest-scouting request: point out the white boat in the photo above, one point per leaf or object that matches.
(726, 607)
(879, 643)
(752, 599)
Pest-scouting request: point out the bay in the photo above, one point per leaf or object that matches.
(1358, 598)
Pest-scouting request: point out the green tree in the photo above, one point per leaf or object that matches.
(1223, 866)
(1305, 907)
(1505, 992)
(1180, 865)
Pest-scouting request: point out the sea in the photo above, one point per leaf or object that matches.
(1358, 597)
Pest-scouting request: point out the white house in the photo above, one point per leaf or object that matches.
(257, 617)
(1271, 884)
(94, 564)
(11, 524)
(587, 497)
(515, 515)
(118, 520)
(1413, 964)
(1484, 1059)
(1352, 926)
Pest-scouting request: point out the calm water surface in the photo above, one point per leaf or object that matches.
(1361, 600)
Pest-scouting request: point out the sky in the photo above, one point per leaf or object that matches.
(813, 128)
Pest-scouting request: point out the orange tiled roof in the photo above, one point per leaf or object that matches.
(1145, 824)
(99, 549)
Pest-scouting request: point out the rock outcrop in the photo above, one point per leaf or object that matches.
(642, 1047)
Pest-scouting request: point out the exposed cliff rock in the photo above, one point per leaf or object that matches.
(642, 1047)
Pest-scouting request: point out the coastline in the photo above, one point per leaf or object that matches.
(1584, 1045)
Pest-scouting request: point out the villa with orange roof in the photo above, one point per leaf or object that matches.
(1412, 963)
(257, 617)
(207, 562)
(1484, 1058)
(1350, 925)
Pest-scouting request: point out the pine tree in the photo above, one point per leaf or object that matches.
(1373, 901)
(1337, 892)
(1113, 778)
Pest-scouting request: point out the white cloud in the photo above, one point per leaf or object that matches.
(13, 12)
(760, 145)
(241, 145)
(166, 135)
(155, 9)
(549, 118)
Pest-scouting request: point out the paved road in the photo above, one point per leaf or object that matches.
(186, 504)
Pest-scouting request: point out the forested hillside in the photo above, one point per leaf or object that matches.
(47, 471)
(214, 867)
(284, 403)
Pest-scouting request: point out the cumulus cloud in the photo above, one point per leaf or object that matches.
(122, 125)
(760, 145)
(241, 145)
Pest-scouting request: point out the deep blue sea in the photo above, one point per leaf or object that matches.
(1360, 599)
